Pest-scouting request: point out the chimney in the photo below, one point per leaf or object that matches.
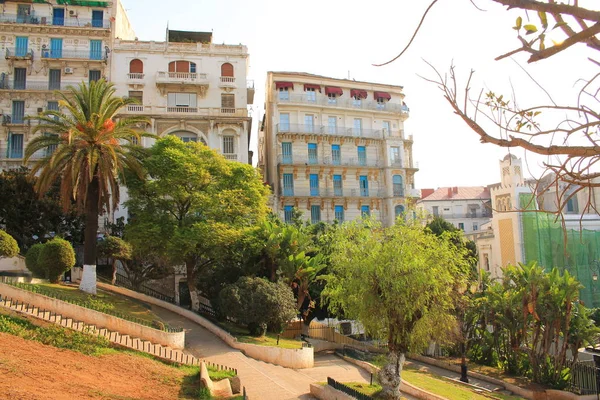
(426, 192)
(449, 192)
(455, 190)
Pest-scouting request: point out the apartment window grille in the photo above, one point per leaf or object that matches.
(337, 185)
(15, 145)
(339, 213)
(364, 186)
(362, 155)
(95, 75)
(314, 184)
(20, 79)
(286, 151)
(288, 184)
(336, 154)
(228, 145)
(312, 153)
(315, 214)
(54, 78)
(18, 111)
(284, 94)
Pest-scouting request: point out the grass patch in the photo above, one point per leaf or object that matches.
(53, 335)
(218, 375)
(365, 388)
(103, 301)
(270, 339)
(431, 383)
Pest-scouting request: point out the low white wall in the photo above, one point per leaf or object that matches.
(290, 358)
(175, 340)
(326, 392)
(323, 345)
(14, 264)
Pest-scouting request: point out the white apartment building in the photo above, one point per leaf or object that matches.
(189, 87)
(336, 149)
(47, 46)
(467, 208)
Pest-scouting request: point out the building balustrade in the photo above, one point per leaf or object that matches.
(230, 156)
(325, 101)
(192, 78)
(35, 85)
(135, 76)
(196, 111)
(49, 20)
(332, 192)
(327, 160)
(58, 54)
(450, 215)
(330, 130)
(19, 52)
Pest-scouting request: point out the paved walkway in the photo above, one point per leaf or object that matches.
(263, 381)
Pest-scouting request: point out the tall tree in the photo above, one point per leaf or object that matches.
(8, 245)
(202, 205)
(398, 283)
(571, 146)
(88, 149)
(30, 218)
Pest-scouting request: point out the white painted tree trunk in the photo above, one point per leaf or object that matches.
(88, 279)
(195, 300)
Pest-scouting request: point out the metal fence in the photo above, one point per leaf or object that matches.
(348, 390)
(584, 378)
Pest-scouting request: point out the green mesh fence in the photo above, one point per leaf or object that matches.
(544, 242)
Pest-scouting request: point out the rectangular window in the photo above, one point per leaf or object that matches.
(94, 75)
(475, 226)
(58, 16)
(20, 80)
(314, 184)
(52, 148)
(56, 46)
(309, 123)
(336, 154)
(357, 127)
(286, 151)
(357, 101)
(395, 155)
(137, 95)
(97, 18)
(436, 211)
(54, 78)
(312, 154)
(23, 13)
(288, 214)
(21, 46)
(181, 100)
(18, 111)
(288, 184)
(53, 106)
(332, 125)
(331, 99)
(386, 127)
(315, 214)
(95, 49)
(311, 95)
(364, 186)
(339, 213)
(338, 189)
(362, 155)
(15, 145)
(284, 94)
(192, 68)
(461, 226)
(284, 122)
(228, 102)
(228, 145)
(365, 211)
(572, 206)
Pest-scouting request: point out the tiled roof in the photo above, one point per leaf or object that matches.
(459, 193)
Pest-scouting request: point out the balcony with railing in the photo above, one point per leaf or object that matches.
(330, 130)
(181, 78)
(293, 159)
(332, 192)
(19, 53)
(189, 111)
(35, 85)
(60, 54)
(49, 20)
(230, 156)
(135, 78)
(339, 102)
(227, 82)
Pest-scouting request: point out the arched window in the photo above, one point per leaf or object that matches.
(136, 67)
(398, 186)
(399, 210)
(182, 66)
(226, 69)
(187, 136)
(499, 205)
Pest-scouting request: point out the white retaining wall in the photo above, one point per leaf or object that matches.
(175, 340)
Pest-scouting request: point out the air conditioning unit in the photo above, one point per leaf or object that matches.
(40, 109)
(68, 70)
(72, 13)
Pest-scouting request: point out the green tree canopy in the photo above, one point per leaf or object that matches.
(200, 204)
(56, 257)
(398, 283)
(8, 245)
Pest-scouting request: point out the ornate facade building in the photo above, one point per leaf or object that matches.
(47, 46)
(336, 149)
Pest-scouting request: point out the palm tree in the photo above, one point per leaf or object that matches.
(87, 150)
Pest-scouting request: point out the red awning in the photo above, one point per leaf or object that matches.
(280, 85)
(333, 90)
(311, 86)
(382, 95)
(361, 94)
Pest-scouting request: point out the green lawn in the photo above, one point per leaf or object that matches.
(270, 339)
(371, 390)
(104, 301)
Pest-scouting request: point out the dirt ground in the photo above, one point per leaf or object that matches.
(30, 371)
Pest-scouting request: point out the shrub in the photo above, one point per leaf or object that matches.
(57, 257)
(32, 261)
(8, 245)
(258, 303)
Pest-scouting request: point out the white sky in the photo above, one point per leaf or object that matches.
(338, 38)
